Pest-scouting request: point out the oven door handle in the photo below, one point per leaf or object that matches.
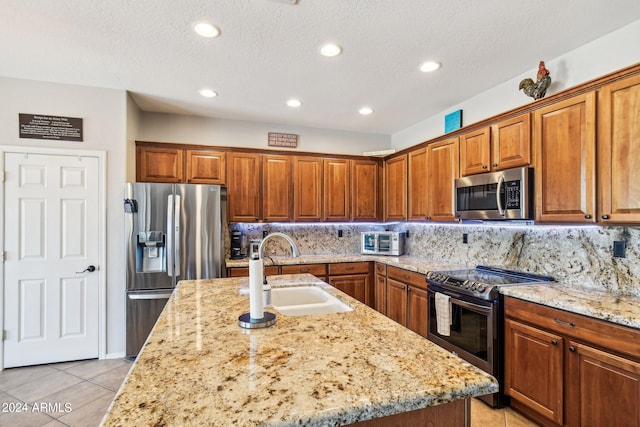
(471, 306)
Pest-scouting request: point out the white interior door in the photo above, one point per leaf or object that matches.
(52, 235)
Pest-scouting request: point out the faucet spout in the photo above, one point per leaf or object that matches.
(294, 249)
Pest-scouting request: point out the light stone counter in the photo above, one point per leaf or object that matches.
(620, 309)
(198, 367)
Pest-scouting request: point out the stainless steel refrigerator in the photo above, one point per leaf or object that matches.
(173, 232)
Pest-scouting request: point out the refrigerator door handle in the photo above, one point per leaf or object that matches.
(176, 236)
(150, 295)
(170, 236)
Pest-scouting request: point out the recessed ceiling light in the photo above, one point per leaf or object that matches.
(294, 103)
(365, 111)
(208, 93)
(429, 66)
(206, 30)
(330, 49)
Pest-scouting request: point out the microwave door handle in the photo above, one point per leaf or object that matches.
(501, 210)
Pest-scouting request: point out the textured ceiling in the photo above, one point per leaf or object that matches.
(268, 52)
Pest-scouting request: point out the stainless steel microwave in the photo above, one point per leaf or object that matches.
(383, 242)
(500, 195)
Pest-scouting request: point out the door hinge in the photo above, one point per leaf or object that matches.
(3, 176)
(4, 256)
(4, 335)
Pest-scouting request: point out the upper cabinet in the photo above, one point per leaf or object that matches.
(243, 187)
(205, 167)
(395, 181)
(443, 169)
(365, 189)
(418, 207)
(159, 164)
(619, 151)
(307, 187)
(565, 143)
(277, 188)
(504, 145)
(337, 197)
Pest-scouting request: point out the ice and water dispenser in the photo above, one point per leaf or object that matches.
(151, 256)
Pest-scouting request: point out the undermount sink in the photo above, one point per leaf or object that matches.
(306, 300)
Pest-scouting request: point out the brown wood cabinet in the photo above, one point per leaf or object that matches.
(353, 278)
(307, 186)
(395, 181)
(337, 186)
(566, 369)
(269, 270)
(418, 194)
(475, 152)
(417, 310)
(318, 270)
(407, 299)
(205, 167)
(244, 187)
(365, 189)
(564, 137)
(159, 164)
(397, 301)
(443, 170)
(277, 188)
(619, 151)
(511, 143)
(381, 288)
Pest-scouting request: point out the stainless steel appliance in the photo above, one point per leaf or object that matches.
(506, 194)
(173, 232)
(382, 242)
(476, 316)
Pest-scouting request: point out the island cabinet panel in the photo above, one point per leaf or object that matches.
(564, 136)
(205, 167)
(277, 191)
(381, 288)
(567, 369)
(308, 188)
(452, 414)
(475, 152)
(619, 151)
(318, 270)
(395, 182)
(244, 187)
(337, 197)
(443, 168)
(365, 190)
(159, 164)
(354, 279)
(511, 143)
(418, 196)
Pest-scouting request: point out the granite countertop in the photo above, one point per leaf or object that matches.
(619, 309)
(198, 367)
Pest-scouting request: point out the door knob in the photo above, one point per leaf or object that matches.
(90, 269)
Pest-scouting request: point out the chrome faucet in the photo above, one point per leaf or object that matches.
(294, 253)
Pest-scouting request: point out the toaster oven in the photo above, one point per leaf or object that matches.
(383, 243)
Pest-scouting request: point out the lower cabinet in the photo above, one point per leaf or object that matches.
(353, 278)
(318, 270)
(380, 292)
(269, 270)
(406, 294)
(560, 369)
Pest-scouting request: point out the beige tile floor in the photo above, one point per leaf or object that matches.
(79, 393)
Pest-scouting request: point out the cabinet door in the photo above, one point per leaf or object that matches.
(395, 181)
(475, 152)
(443, 170)
(337, 184)
(565, 144)
(511, 143)
(365, 188)
(307, 186)
(417, 310)
(534, 369)
(206, 167)
(381, 294)
(619, 151)
(159, 164)
(417, 185)
(244, 187)
(603, 389)
(277, 191)
(397, 301)
(354, 285)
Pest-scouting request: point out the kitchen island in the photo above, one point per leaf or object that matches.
(198, 367)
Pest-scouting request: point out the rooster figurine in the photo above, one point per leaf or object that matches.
(538, 89)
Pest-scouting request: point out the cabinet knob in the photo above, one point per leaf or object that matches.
(495, 165)
(554, 342)
(587, 216)
(572, 349)
(605, 216)
(485, 167)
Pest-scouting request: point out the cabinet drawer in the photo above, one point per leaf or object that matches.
(608, 335)
(408, 277)
(318, 270)
(269, 270)
(348, 268)
(381, 268)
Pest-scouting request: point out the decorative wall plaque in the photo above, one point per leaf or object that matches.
(289, 140)
(453, 121)
(40, 126)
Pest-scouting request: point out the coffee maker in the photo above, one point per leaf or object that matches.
(238, 244)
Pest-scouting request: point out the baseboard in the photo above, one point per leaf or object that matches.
(114, 355)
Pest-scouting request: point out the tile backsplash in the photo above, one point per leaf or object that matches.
(579, 256)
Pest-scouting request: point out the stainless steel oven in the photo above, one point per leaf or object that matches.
(475, 316)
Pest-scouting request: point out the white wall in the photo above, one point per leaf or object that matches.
(233, 133)
(609, 53)
(104, 120)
